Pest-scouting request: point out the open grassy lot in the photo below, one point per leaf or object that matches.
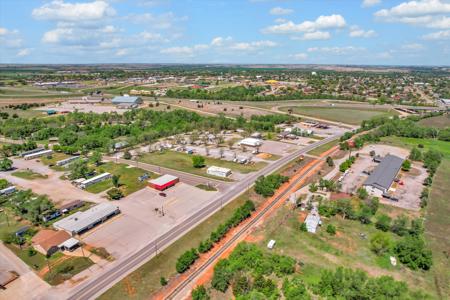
(319, 150)
(67, 269)
(144, 281)
(37, 261)
(408, 143)
(439, 121)
(323, 251)
(345, 115)
(28, 174)
(29, 113)
(183, 162)
(128, 180)
(8, 222)
(437, 228)
(52, 159)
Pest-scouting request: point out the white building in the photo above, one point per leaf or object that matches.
(95, 179)
(37, 154)
(67, 161)
(252, 142)
(8, 190)
(313, 221)
(218, 171)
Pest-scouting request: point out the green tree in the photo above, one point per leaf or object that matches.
(200, 293)
(362, 193)
(399, 226)
(198, 161)
(415, 154)
(330, 161)
(303, 227)
(383, 223)
(78, 169)
(313, 187)
(127, 155)
(163, 281)
(5, 164)
(295, 289)
(114, 194)
(406, 165)
(96, 158)
(3, 183)
(115, 180)
(380, 243)
(241, 285)
(412, 252)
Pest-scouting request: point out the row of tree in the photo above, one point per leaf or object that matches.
(266, 185)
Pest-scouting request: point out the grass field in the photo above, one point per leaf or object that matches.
(29, 113)
(144, 281)
(29, 175)
(409, 143)
(37, 261)
(437, 227)
(56, 156)
(183, 162)
(319, 150)
(345, 115)
(67, 269)
(128, 178)
(8, 222)
(439, 121)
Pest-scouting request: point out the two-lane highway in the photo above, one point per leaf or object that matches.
(98, 284)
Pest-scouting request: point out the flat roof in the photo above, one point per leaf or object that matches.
(385, 173)
(38, 153)
(96, 177)
(162, 180)
(125, 99)
(219, 169)
(82, 219)
(72, 242)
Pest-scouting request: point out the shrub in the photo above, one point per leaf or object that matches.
(380, 243)
(198, 161)
(200, 293)
(412, 252)
(383, 223)
(406, 166)
(186, 260)
(114, 194)
(331, 229)
(163, 281)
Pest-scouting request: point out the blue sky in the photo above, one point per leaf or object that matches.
(383, 32)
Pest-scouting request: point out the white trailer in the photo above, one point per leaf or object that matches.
(67, 161)
(8, 190)
(38, 154)
(95, 179)
(218, 171)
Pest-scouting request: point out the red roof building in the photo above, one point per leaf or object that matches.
(163, 182)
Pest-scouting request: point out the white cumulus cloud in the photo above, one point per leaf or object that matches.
(336, 50)
(357, 32)
(59, 10)
(299, 56)
(23, 52)
(369, 3)
(314, 36)
(322, 22)
(438, 35)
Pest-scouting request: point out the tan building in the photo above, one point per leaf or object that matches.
(47, 241)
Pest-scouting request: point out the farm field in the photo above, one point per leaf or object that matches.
(146, 280)
(128, 180)
(439, 121)
(183, 162)
(437, 228)
(352, 116)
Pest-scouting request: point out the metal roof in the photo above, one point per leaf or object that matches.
(218, 169)
(125, 99)
(162, 180)
(383, 176)
(93, 179)
(81, 220)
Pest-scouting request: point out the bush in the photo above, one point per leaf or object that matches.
(198, 161)
(186, 260)
(114, 194)
(406, 165)
(412, 252)
(383, 223)
(399, 226)
(127, 155)
(303, 227)
(163, 281)
(200, 293)
(266, 185)
(331, 229)
(380, 243)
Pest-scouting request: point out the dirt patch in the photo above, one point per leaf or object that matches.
(264, 155)
(254, 238)
(337, 196)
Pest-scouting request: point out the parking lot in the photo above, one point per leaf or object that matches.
(81, 107)
(142, 220)
(322, 132)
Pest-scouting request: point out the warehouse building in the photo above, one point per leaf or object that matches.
(380, 180)
(82, 221)
(218, 171)
(37, 154)
(126, 100)
(99, 178)
(163, 182)
(252, 142)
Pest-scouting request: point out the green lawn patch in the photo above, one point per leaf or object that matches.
(52, 159)
(206, 187)
(128, 181)
(67, 269)
(319, 150)
(146, 280)
(339, 114)
(183, 162)
(37, 261)
(29, 175)
(409, 143)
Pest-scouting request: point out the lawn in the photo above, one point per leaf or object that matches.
(319, 150)
(37, 261)
(338, 114)
(437, 228)
(183, 162)
(206, 187)
(8, 222)
(439, 121)
(29, 175)
(67, 269)
(128, 178)
(52, 159)
(408, 143)
(145, 281)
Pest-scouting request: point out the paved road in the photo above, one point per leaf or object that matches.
(97, 285)
(188, 178)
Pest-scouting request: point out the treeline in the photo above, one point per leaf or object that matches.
(266, 185)
(14, 149)
(252, 93)
(190, 256)
(88, 131)
(252, 273)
